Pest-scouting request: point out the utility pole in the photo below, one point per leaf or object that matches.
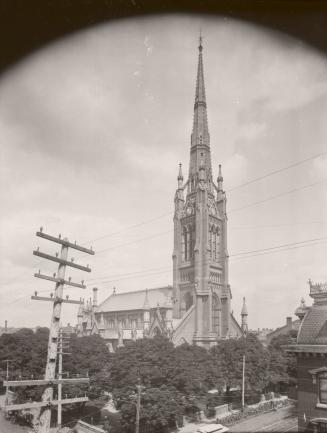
(57, 299)
(7, 378)
(62, 345)
(243, 382)
(243, 368)
(138, 405)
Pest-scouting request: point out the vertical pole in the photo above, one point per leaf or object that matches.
(243, 382)
(50, 372)
(7, 378)
(138, 406)
(60, 385)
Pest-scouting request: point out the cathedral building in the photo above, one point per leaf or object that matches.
(197, 307)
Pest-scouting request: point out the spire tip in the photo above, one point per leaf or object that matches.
(200, 41)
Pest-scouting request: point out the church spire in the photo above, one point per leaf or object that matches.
(200, 139)
(200, 133)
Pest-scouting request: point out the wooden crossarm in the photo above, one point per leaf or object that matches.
(65, 301)
(61, 261)
(64, 242)
(35, 405)
(59, 280)
(42, 382)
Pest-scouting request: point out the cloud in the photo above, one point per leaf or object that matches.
(93, 128)
(251, 131)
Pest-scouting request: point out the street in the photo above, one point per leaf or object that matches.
(283, 420)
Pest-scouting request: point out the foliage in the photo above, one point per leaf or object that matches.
(282, 366)
(26, 350)
(160, 407)
(88, 355)
(227, 357)
(157, 362)
(149, 359)
(175, 379)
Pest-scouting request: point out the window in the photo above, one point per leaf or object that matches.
(214, 243)
(319, 378)
(322, 383)
(187, 243)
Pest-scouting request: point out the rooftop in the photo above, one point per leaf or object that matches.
(130, 301)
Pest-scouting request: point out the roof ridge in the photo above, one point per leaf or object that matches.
(142, 290)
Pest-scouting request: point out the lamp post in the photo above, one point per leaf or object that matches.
(138, 405)
(243, 381)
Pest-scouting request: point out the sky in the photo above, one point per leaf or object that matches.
(94, 125)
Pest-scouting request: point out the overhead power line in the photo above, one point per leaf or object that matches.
(277, 196)
(228, 190)
(279, 251)
(135, 241)
(238, 255)
(279, 246)
(230, 228)
(129, 227)
(272, 173)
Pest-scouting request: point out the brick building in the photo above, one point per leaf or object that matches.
(311, 353)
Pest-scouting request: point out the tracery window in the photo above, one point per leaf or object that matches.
(216, 314)
(214, 242)
(187, 243)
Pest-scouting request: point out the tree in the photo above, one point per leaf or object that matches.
(192, 372)
(282, 364)
(160, 408)
(149, 359)
(228, 357)
(27, 352)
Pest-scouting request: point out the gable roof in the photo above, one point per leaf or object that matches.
(129, 301)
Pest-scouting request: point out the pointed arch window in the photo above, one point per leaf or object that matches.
(216, 314)
(187, 243)
(214, 243)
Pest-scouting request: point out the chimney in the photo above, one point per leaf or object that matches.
(6, 326)
(95, 296)
(289, 322)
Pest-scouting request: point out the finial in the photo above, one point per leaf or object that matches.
(220, 179)
(200, 40)
(180, 173)
(244, 311)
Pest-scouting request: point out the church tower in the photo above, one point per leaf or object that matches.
(200, 257)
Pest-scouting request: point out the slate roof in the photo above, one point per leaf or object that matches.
(129, 301)
(313, 329)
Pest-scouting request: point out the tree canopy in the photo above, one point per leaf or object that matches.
(174, 379)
